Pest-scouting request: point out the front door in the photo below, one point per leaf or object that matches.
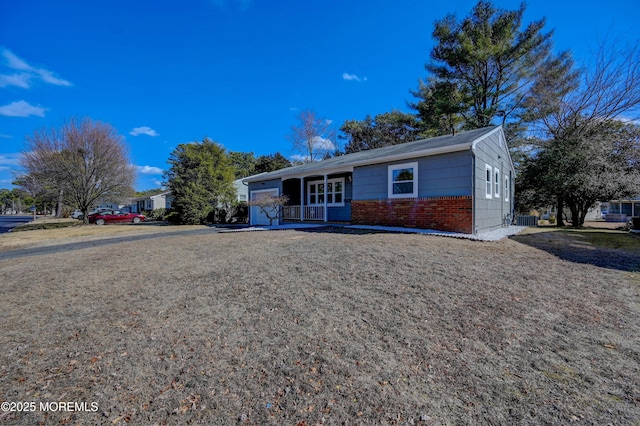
(256, 216)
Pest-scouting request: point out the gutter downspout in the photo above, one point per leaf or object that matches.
(473, 191)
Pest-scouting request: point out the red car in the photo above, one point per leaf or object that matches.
(115, 216)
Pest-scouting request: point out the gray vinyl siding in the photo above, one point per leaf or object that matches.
(267, 184)
(342, 213)
(490, 212)
(438, 175)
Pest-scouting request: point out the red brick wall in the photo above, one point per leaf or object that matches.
(452, 214)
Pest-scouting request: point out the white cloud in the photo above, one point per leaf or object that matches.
(19, 80)
(144, 130)
(352, 77)
(21, 109)
(320, 145)
(48, 77)
(10, 161)
(3, 136)
(299, 158)
(149, 170)
(29, 72)
(323, 144)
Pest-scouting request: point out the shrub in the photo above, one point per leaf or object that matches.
(172, 217)
(240, 213)
(156, 214)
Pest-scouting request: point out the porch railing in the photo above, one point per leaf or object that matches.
(310, 212)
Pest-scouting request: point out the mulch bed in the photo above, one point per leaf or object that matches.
(291, 327)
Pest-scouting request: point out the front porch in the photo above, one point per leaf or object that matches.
(325, 198)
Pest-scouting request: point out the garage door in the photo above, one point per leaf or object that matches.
(256, 216)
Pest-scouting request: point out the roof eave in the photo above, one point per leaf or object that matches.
(349, 166)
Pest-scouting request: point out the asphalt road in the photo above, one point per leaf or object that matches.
(37, 251)
(7, 222)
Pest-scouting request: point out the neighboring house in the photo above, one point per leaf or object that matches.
(460, 183)
(114, 206)
(152, 202)
(242, 190)
(623, 210)
(597, 212)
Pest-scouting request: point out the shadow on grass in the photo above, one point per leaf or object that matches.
(606, 249)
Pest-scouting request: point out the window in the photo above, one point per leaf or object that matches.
(403, 180)
(334, 193)
(497, 182)
(507, 188)
(488, 180)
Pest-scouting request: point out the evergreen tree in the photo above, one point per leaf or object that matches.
(271, 162)
(201, 179)
(481, 67)
(390, 128)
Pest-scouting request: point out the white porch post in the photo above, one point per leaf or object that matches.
(301, 199)
(325, 198)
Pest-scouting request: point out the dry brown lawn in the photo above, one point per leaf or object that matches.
(291, 327)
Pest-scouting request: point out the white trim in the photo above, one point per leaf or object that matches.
(251, 222)
(483, 137)
(496, 182)
(488, 183)
(390, 181)
(328, 181)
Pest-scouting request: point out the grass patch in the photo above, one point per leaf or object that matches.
(606, 238)
(51, 225)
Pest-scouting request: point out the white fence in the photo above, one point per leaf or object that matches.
(310, 212)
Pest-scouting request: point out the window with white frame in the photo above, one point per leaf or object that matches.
(507, 187)
(488, 181)
(403, 180)
(496, 172)
(334, 192)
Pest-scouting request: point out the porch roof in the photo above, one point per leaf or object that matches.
(422, 148)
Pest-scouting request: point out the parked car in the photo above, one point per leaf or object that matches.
(77, 214)
(115, 216)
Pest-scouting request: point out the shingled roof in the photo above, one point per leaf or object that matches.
(439, 145)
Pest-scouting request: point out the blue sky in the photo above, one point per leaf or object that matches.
(236, 71)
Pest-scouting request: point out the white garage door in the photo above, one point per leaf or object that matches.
(255, 215)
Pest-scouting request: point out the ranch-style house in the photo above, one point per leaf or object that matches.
(459, 183)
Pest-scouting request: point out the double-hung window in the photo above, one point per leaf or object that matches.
(496, 172)
(334, 192)
(488, 181)
(403, 180)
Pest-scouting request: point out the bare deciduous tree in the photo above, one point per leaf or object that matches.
(270, 206)
(85, 161)
(312, 138)
(579, 111)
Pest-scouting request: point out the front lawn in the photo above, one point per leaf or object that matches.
(291, 327)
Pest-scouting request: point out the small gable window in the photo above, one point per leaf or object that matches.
(403, 180)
